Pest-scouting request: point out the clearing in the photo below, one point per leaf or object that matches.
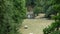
(35, 26)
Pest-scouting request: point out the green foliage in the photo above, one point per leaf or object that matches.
(56, 25)
(30, 3)
(51, 28)
(37, 10)
(57, 7)
(55, 32)
(12, 13)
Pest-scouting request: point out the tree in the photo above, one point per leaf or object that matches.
(30, 3)
(56, 25)
(11, 16)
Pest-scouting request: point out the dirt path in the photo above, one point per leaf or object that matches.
(35, 26)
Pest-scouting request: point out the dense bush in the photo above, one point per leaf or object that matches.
(12, 13)
(56, 25)
(55, 32)
(53, 27)
(50, 12)
(37, 10)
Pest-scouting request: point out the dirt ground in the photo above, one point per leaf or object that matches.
(35, 26)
